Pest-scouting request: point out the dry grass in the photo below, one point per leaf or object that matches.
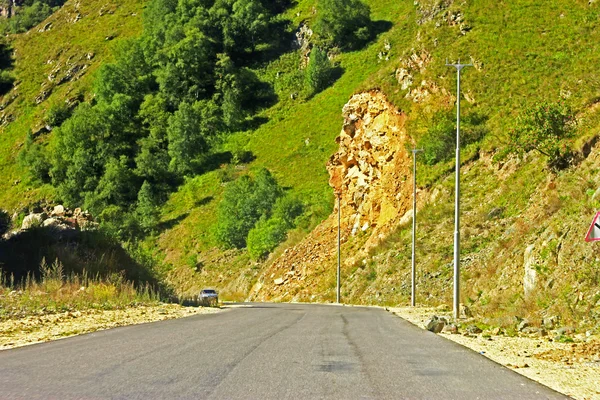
(54, 292)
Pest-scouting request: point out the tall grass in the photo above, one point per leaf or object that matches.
(57, 292)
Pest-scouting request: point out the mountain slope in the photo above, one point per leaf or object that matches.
(518, 215)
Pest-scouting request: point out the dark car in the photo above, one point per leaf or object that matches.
(208, 297)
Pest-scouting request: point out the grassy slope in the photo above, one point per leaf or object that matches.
(529, 52)
(64, 41)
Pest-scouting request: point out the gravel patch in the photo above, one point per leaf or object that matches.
(43, 328)
(569, 368)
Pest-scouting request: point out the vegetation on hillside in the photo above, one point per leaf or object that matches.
(28, 15)
(171, 169)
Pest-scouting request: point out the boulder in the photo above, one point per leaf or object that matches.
(435, 324)
(31, 221)
(58, 211)
(450, 328)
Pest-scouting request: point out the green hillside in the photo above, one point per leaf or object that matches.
(524, 53)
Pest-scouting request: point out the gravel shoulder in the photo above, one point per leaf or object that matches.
(569, 368)
(43, 328)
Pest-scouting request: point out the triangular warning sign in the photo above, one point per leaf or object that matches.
(594, 231)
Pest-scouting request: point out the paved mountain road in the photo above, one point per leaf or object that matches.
(262, 351)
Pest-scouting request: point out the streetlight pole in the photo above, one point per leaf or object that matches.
(339, 241)
(413, 296)
(456, 307)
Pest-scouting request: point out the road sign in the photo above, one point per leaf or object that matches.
(594, 231)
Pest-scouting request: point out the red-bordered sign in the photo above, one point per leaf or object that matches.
(593, 233)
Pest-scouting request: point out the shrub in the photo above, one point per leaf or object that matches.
(265, 236)
(268, 233)
(439, 142)
(319, 71)
(4, 222)
(35, 158)
(244, 202)
(57, 114)
(547, 128)
(344, 23)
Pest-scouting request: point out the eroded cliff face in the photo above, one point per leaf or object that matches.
(372, 177)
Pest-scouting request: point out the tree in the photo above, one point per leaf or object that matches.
(344, 23)
(189, 132)
(148, 203)
(244, 202)
(319, 70)
(547, 128)
(265, 236)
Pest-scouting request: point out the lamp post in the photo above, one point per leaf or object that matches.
(339, 241)
(413, 292)
(456, 307)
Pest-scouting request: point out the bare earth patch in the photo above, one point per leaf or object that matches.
(569, 368)
(43, 328)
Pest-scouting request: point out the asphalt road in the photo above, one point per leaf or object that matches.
(262, 351)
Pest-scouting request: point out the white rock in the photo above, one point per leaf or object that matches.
(32, 220)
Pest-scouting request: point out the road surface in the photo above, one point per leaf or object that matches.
(262, 351)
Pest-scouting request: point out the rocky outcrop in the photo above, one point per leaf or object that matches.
(7, 7)
(372, 167)
(371, 174)
(58, 218)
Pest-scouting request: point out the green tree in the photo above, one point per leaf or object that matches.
(244, 202)
(319, 71)
(547, 128)
(344, 23)
(189, 132)
(147, 209)
(265, 236)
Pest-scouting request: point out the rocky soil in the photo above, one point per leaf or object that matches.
(371, 173)
(43, 328)
(569, 368)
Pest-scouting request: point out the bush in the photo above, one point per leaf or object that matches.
(57, 114)
(319, 71)
(265, 236)
(244, 202)
(439, 142)
(4, 222)
(344, 23)
(34, 157)
(547, 128)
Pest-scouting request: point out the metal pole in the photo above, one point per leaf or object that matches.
(413, 296)
(339, 241)
(456, 302)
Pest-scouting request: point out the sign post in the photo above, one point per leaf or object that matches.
(593, 233)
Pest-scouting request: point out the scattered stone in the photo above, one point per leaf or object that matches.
(496, 213)
(46, 27)
(58, 211)
(450, 328)
(550, 322)
(474, 329)
(523, 324)
(565, 330)
(278, 281)
(465, 312)
(435, 324)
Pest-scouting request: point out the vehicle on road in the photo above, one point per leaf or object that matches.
(209, 297)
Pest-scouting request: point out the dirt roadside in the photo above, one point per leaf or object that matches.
(569, 368)
(44, 328)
